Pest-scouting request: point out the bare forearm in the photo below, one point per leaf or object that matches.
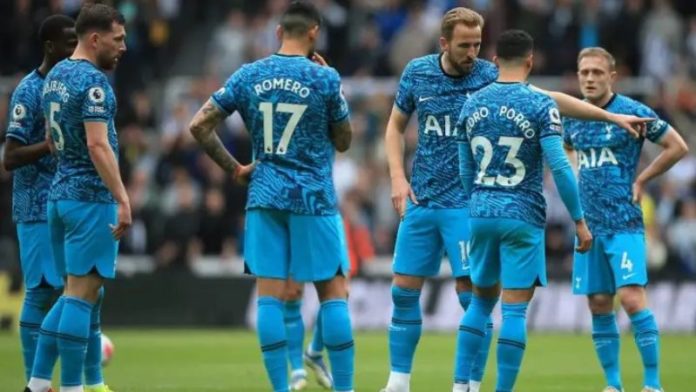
(341, 135)
(573, 107)
(661, 164)
(202, 128)
(212, 145)
(105, 162)
(18, 155)
(393, 141)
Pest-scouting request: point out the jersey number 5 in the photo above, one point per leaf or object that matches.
(295, 112)
(511, 159)
(56, 132)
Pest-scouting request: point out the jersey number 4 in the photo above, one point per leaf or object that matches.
(514, 143)
(295, 112)
(56, 132)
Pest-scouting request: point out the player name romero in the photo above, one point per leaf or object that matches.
(286, 84)
(57, 87)
(505, 112)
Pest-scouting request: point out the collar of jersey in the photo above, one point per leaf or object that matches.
(84, 61)
(288, 55)
(39, 74)
(610, 101)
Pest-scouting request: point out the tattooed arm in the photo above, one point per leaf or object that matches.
(203, 127)
(341, 134)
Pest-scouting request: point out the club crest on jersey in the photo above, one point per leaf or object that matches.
(19, 112)
(96, 95)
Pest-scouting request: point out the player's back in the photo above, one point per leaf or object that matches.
(76, 91)
(288, 104)
(504, 124)
(31, 181)
(608, 159)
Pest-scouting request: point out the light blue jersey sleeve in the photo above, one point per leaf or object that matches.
(26, 110)
(338, 106)
(99, 104)
(226, 98)
(656, 129)
(405, 100)
(552, 149)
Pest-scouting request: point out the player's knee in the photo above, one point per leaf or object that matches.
(293, 293)
(405, 298)
(463, 284)
(601, 303)
(633, 299)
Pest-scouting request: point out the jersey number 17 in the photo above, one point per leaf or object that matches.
(295, 111)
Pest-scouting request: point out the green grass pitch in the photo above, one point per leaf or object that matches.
(220, 360)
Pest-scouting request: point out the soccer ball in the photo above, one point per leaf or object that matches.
(107, 347)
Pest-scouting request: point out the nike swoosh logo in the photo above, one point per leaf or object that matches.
(627, 276)
(465, 267)
(423, 99)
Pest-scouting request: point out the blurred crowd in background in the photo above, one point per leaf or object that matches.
(180, 51)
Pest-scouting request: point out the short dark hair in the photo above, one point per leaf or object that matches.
(514, 45)
(52, 28)
(97, 17)
(299, 18)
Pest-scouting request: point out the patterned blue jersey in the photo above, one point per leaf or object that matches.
(287, 104)
(33, 181)
(438, 99)
(607, 161)
(504, 125)
(75, 92)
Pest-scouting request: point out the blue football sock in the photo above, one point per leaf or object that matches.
(338, 339)
(511, 344)
(47, 346)
(647, 338)
(294, 328)
(273, 340)
(471, 335)
(405, 328)
(36, 304)
(93, 359)
(317, 345)
(606, 338)
(479, 365)
(73, 333)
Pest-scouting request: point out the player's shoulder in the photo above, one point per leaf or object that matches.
(423, 65)
(484, 72)
(30, 86)
(626, 105)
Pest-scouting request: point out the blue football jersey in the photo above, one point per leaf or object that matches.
(287, 104)
(33, 181)
(504, 125)
(607, 161)
(75, 92)
(438, 98)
